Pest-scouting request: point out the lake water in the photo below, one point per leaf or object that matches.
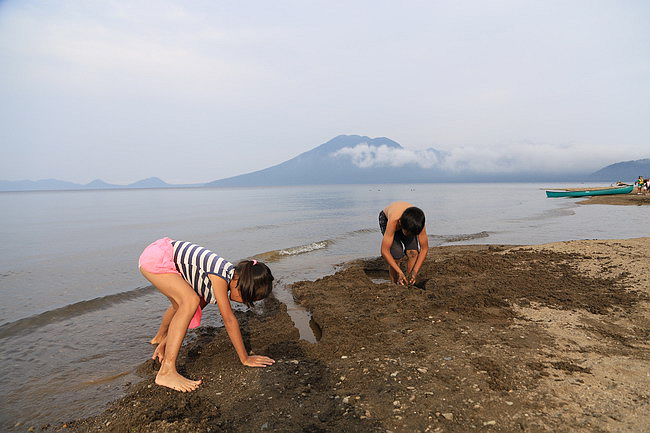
(76, 315)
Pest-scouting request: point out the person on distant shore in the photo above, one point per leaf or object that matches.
(639, 183)
(402, 225)
(192, 277)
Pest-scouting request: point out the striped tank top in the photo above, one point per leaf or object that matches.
(195, 263)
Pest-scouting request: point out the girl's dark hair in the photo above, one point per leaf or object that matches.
(255, 281)
(412, 220)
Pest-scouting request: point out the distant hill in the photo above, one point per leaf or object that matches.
(60, 185)
(37, 185)
(627, 171)
(151, 182)
(99, 184)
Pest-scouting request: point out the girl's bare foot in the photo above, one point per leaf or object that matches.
(177, 382)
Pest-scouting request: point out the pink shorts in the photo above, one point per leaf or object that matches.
(158, 258)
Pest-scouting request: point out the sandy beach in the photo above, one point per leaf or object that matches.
(632, 199)
(492, 338)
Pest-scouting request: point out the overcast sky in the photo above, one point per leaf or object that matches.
(202, 90)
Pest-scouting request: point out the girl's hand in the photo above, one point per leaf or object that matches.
(401, 279)
(159, 353)
(258, 361)
(412, 279)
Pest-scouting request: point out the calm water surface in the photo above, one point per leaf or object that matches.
(76, 315)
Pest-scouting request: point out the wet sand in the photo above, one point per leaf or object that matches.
(548, 338)
(632, 199)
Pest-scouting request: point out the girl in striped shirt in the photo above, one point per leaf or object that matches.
(192, 277)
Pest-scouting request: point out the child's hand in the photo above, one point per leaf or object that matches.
(401, 279)
(412, 279)
(258, 361)
(159, 353)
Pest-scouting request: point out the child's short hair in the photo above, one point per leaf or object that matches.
(412, 220)
(255, 281)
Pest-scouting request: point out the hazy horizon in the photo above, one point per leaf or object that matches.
(191, 93)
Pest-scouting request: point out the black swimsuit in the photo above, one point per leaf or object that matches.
(401, 242)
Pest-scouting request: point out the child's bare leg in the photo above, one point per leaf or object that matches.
(179, 292)
(164, 325)
(412, 257)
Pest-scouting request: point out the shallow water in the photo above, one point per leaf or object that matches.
(76, 314)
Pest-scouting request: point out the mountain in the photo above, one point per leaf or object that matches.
(350, 159)
(626, 171)
(322, 165)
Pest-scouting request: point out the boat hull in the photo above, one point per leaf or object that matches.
(590, 192)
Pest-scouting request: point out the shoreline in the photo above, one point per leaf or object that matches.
(517, 338)
(631, 199)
